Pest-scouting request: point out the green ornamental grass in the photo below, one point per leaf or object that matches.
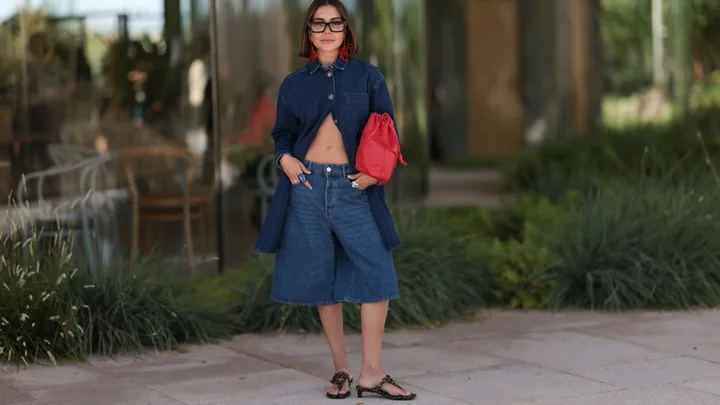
(52, 306)
(633, 246)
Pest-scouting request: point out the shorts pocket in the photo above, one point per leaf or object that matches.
(354, 189)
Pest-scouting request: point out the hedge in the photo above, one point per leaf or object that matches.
(631, 245)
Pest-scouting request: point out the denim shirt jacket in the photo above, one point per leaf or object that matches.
(349, 90)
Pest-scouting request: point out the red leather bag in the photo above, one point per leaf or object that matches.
(379, 149)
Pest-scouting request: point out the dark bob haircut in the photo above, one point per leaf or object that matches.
(350, 36)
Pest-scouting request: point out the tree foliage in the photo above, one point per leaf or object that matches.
(627, 40)
(706, 30)
(626, 32)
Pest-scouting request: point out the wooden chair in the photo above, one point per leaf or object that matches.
(157, 197)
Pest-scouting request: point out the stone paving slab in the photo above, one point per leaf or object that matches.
(667, 395)
(503, 358)
(12, 396)
(508, 384)
(550, 349)
(710, 386)
(652, 372)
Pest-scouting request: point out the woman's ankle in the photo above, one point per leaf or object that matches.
(372, 373)
(341, 366)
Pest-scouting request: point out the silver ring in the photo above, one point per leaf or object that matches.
(355, 184)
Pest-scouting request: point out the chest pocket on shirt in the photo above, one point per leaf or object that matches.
(357, 109)
(356, 98)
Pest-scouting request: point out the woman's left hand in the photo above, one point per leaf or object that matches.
(363, 180)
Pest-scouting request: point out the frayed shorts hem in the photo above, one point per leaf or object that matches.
(348, 300)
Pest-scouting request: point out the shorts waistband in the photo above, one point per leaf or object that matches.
(329, 169)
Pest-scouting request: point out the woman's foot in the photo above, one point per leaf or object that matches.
(340, 387)
(371, 381)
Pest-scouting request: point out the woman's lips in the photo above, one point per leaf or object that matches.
(327, 41)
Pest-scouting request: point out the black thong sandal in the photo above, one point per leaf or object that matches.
(339, 380)
(380, 391)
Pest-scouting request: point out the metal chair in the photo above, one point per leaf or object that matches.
(82, 209)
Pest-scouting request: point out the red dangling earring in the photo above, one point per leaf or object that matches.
(313, 55)
(345, 52)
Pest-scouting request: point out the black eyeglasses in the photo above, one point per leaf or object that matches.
(319, 26)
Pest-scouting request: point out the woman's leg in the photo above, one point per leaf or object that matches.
(331, 317)
(305, 264)
(365, 272)
(373, 326)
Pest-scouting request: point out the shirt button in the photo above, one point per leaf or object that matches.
(329, 73)
(328, 169)
(331, 97)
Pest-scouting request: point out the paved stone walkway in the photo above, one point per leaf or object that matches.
(466, 188)
(507, 358)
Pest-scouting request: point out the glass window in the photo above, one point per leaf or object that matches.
(111, 80)
(134, 76)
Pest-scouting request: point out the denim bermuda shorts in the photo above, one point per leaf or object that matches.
(331, 250)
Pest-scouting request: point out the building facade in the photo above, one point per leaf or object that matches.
(131, 74)
(469, 79)
(506, 74)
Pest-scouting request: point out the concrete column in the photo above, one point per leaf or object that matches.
(495, 110)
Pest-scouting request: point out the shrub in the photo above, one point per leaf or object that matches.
(38, 307)
(440, 267)
(129, 309)
(52, 307)
(510, 221)
(639, 246)
(519, 271)
(598, 161)
(517, 255)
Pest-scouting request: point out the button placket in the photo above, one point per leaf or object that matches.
(331, 97)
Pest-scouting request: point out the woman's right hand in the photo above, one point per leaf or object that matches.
(293, 168)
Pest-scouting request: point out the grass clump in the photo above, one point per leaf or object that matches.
(440, 268)
(130, 309)
(52, 306)
(599, 161)
(39, 310)
(635, 246)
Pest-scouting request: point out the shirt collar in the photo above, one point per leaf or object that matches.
(339, 64)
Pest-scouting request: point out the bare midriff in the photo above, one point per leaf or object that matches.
(328, 146)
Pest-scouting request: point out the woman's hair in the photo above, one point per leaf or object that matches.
(350, 36)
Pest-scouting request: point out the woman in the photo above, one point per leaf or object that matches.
(328, 224)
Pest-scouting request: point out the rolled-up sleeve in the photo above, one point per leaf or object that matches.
(380, 101)
(285, 130)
